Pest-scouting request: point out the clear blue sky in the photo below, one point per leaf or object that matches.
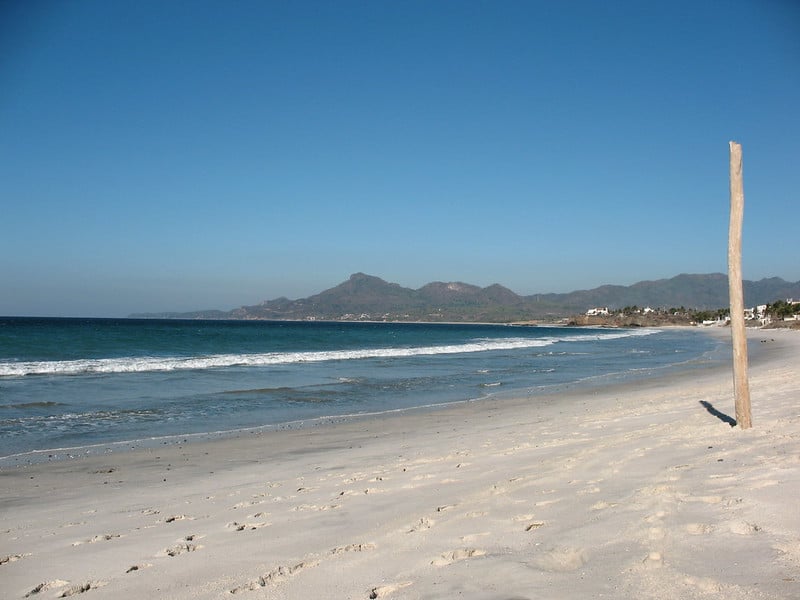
(164, 155)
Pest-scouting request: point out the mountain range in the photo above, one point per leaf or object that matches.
(366, 297)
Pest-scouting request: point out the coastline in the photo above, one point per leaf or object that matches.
(62, 446)
(629, 490)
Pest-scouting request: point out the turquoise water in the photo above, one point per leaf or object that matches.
(81, 383)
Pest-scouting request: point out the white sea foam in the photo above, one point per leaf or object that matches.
(144, 364)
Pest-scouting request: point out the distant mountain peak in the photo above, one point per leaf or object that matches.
(367, 297)
(364, 277)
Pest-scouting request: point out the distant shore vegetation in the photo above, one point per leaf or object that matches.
(781, 313)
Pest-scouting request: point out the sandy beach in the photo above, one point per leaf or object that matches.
(641, 490)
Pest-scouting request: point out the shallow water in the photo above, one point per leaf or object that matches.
(76, 383)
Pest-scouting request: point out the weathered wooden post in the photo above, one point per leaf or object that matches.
(741, 388)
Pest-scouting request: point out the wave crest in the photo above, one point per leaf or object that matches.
(145, 364)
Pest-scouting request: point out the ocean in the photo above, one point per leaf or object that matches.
(76, 386)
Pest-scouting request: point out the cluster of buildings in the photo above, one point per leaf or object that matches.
(603, 311)
(758, 313)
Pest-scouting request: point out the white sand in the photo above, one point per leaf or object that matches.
(627, 492)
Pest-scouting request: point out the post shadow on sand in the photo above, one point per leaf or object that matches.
(720, 415)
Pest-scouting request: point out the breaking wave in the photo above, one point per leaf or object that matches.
(145, 364)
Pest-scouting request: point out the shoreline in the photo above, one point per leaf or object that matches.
(108, 448)
(634, 490)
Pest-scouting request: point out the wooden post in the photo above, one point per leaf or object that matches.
(741, 389)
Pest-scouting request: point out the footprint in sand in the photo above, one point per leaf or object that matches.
(698, 528)
(656, 517)
(654, 560)
(134, 568)
(236, 526)
(385, 590)
(661, 490)
(179, 549)
(449, 558)
(602, 505)
(351, 548)
(276, 575)
(59, 583)
(315, 507)
(704, 584)
(80, 589)
(248, 504)
(12, 558)
(744, 528)
(98, 538)
(46, 586)
(185, 545)
(174, 518)
(421, 525)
